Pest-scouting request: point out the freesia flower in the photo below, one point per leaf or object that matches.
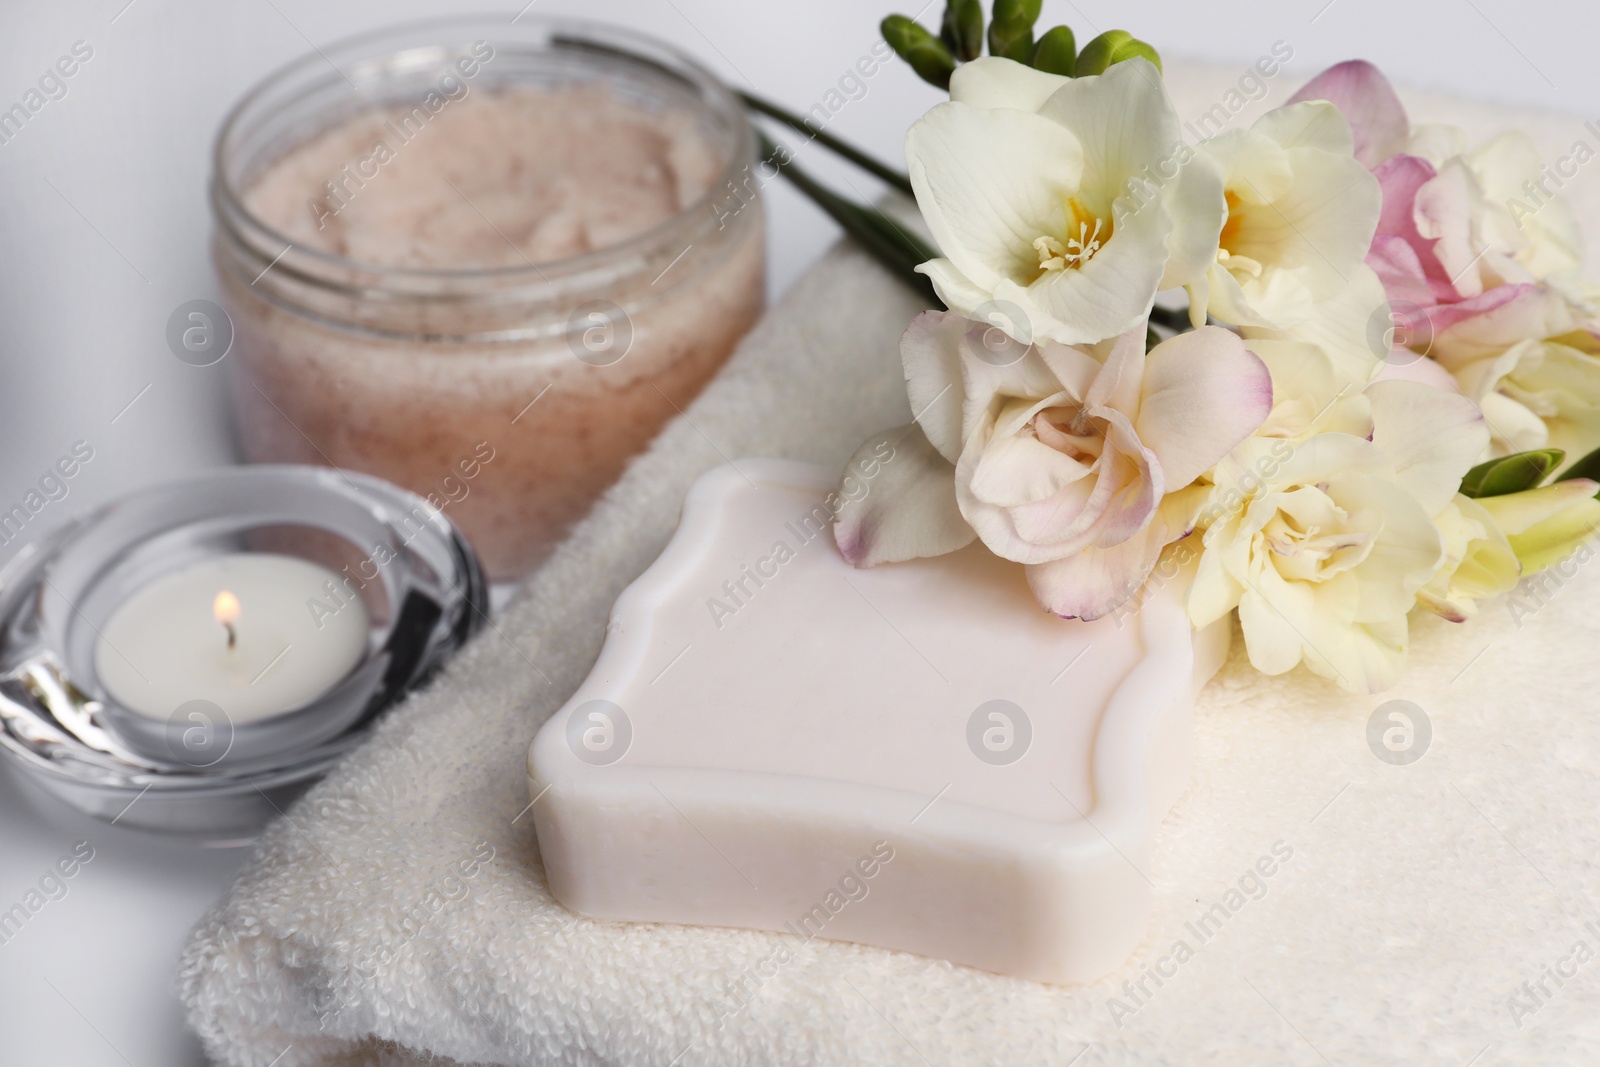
(1539, 232)
(1311, 392)
(1329, 545)
(1479, 260)
(1301, 215)
(1436, 251)
(1478, 561)
(1073, 199)
(1352, 327)
(1378, 122)
(1543, 525)
(1460, 236)
(1079, 462)
(1535, 393)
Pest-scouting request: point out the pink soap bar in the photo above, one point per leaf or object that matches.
(913, 756)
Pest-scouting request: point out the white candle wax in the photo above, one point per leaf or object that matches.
(236, 630)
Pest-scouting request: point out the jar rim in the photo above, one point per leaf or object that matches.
(559, 33)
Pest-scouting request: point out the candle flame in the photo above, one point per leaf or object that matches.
(225, 608)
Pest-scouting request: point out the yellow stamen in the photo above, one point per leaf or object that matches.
(1078, 248)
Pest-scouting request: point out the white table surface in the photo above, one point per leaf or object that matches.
(103, 231)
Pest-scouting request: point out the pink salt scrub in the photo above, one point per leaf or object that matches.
(456, 354)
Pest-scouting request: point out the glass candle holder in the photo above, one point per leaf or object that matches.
(509, 394)
(393, 561)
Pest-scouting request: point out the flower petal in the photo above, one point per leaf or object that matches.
(1321, 227)
(1436, 141)
(1544, 526)
(908, 509)
(930, 353)
(1553, 540)
(1128, 130)
(1309, 393)
(953, 287)
(1118, 384)
(1097, 581)
(1488, 324)
(1123, 119)
(1204, 392)
(1516, 428)
(1111, 293)
(1548, 239)
(1273, 643)
(1432, 436)
(1278, 300)
(1563, 384)
(1350, 326)
(1410, 367)
(1479, 562)
(989, 183)
(1378, 122)
(1308, 124)
(1282, 627)
(1405, 281)
(1215, 591)
(1198, 205)
(991, 82)
(1406, 548)
(986, 386)
(1017, 470)
(1400, 178)
(1443, 213)
(1517, 513)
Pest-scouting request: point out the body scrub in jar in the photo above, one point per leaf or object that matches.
(486, 262)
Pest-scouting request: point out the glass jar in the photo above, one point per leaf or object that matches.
(509, 395)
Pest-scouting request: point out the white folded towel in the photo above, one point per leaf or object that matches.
(1428, 913)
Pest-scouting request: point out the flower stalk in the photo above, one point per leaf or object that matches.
(887, 241)
(886, 174)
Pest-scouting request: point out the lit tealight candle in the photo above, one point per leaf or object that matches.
(225, 609)
(249, 632)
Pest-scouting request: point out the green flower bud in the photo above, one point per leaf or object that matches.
(1511, 474)
(1110, 47)
(926, 53)
(1056, 52)
(962, 31)
(1587, 467)
(1011, 32)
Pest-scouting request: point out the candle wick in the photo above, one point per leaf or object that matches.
(232, 637)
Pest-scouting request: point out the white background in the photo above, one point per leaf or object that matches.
(104, 228)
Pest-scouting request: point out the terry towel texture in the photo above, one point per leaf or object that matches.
(1311, 903)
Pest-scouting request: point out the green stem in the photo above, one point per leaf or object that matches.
(853, 154)
(891, 245)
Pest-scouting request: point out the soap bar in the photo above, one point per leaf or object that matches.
(912, 756)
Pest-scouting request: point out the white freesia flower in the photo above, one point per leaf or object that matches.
(1330, 544)
(1535, 392)
(1512, 215)
(1301, 214)
(1353, 326)
(1075, 461)
(1478, 561)
(1312, 392)
(1074, 199)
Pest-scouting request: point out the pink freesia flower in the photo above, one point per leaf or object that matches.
(1439, 254)
(1377, 119)
(1078, 461)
